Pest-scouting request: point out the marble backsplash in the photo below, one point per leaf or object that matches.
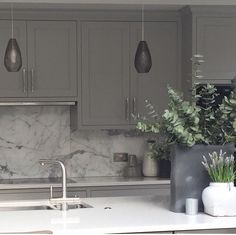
(28, 134)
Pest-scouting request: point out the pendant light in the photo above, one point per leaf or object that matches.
(143, 59)
(12, 58)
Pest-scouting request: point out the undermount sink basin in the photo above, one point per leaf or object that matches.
(42, 207)
(71, 206)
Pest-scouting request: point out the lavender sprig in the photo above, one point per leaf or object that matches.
(221, 168)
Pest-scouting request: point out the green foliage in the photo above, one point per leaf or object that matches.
(217, 122)
(149, 123)
(152, 123)
(221, 168)
(151, 152)
(226, 118)
(181, 120)
(207, 113)
(188, 124)
(162, 150)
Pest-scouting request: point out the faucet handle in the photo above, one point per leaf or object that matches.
(51, 192)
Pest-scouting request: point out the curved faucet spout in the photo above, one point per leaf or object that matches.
(63, 169)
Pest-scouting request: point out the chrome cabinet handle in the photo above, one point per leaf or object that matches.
(24, 79)
(51, 188)
(134, 106)
(32, 80)
(127, 108)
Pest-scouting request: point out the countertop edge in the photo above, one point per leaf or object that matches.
(109, 183)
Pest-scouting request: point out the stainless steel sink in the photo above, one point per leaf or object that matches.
(43, 207)
(72, 206)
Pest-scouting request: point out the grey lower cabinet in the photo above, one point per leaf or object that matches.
(83, 192)
(160, 190)
(48, 51)
(42, 193)
(111, 89)
(208, 231)
(200, 231)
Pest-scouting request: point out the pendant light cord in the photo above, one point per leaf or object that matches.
(142, 22)
(12, 20)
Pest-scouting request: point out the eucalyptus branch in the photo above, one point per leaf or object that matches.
(189, 122)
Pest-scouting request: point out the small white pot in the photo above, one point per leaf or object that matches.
(219, 199)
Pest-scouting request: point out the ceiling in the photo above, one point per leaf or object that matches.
(146, 2)
(88, 6)
(110, 4)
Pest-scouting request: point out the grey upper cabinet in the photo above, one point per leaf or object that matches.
(49, 54)
(210, 31)
(111, 88)
(163, 41)
(216, 38)
(105, 73)
(52, 58)
(12, 84)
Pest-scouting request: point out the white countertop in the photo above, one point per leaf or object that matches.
(81, 182)
(127, 214)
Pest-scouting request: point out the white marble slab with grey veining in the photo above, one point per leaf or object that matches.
(28, 134)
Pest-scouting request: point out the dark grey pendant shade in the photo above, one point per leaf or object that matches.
(143, 59)
(12, 58)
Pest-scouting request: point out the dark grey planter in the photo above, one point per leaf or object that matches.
(165, 168)
(188, 176)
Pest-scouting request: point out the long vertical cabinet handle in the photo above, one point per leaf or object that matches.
(32, 79)
(24, 79)
(127, 108)
(51, 187)
(134, 106)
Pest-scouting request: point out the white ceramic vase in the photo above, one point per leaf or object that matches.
(150, 166)
(219, 199)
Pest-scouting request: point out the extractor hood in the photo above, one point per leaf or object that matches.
(41, 103)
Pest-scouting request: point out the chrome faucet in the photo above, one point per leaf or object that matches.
(64, 185)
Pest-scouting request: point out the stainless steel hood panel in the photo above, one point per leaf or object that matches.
(42, 103)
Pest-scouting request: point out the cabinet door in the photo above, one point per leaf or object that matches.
(12, 84)
(120, 191)
(208, 231)
(163, 43)
(25, 194)
(77, 192)
(39, 193)
(105, 73)
(52, 58)
(216, 38)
